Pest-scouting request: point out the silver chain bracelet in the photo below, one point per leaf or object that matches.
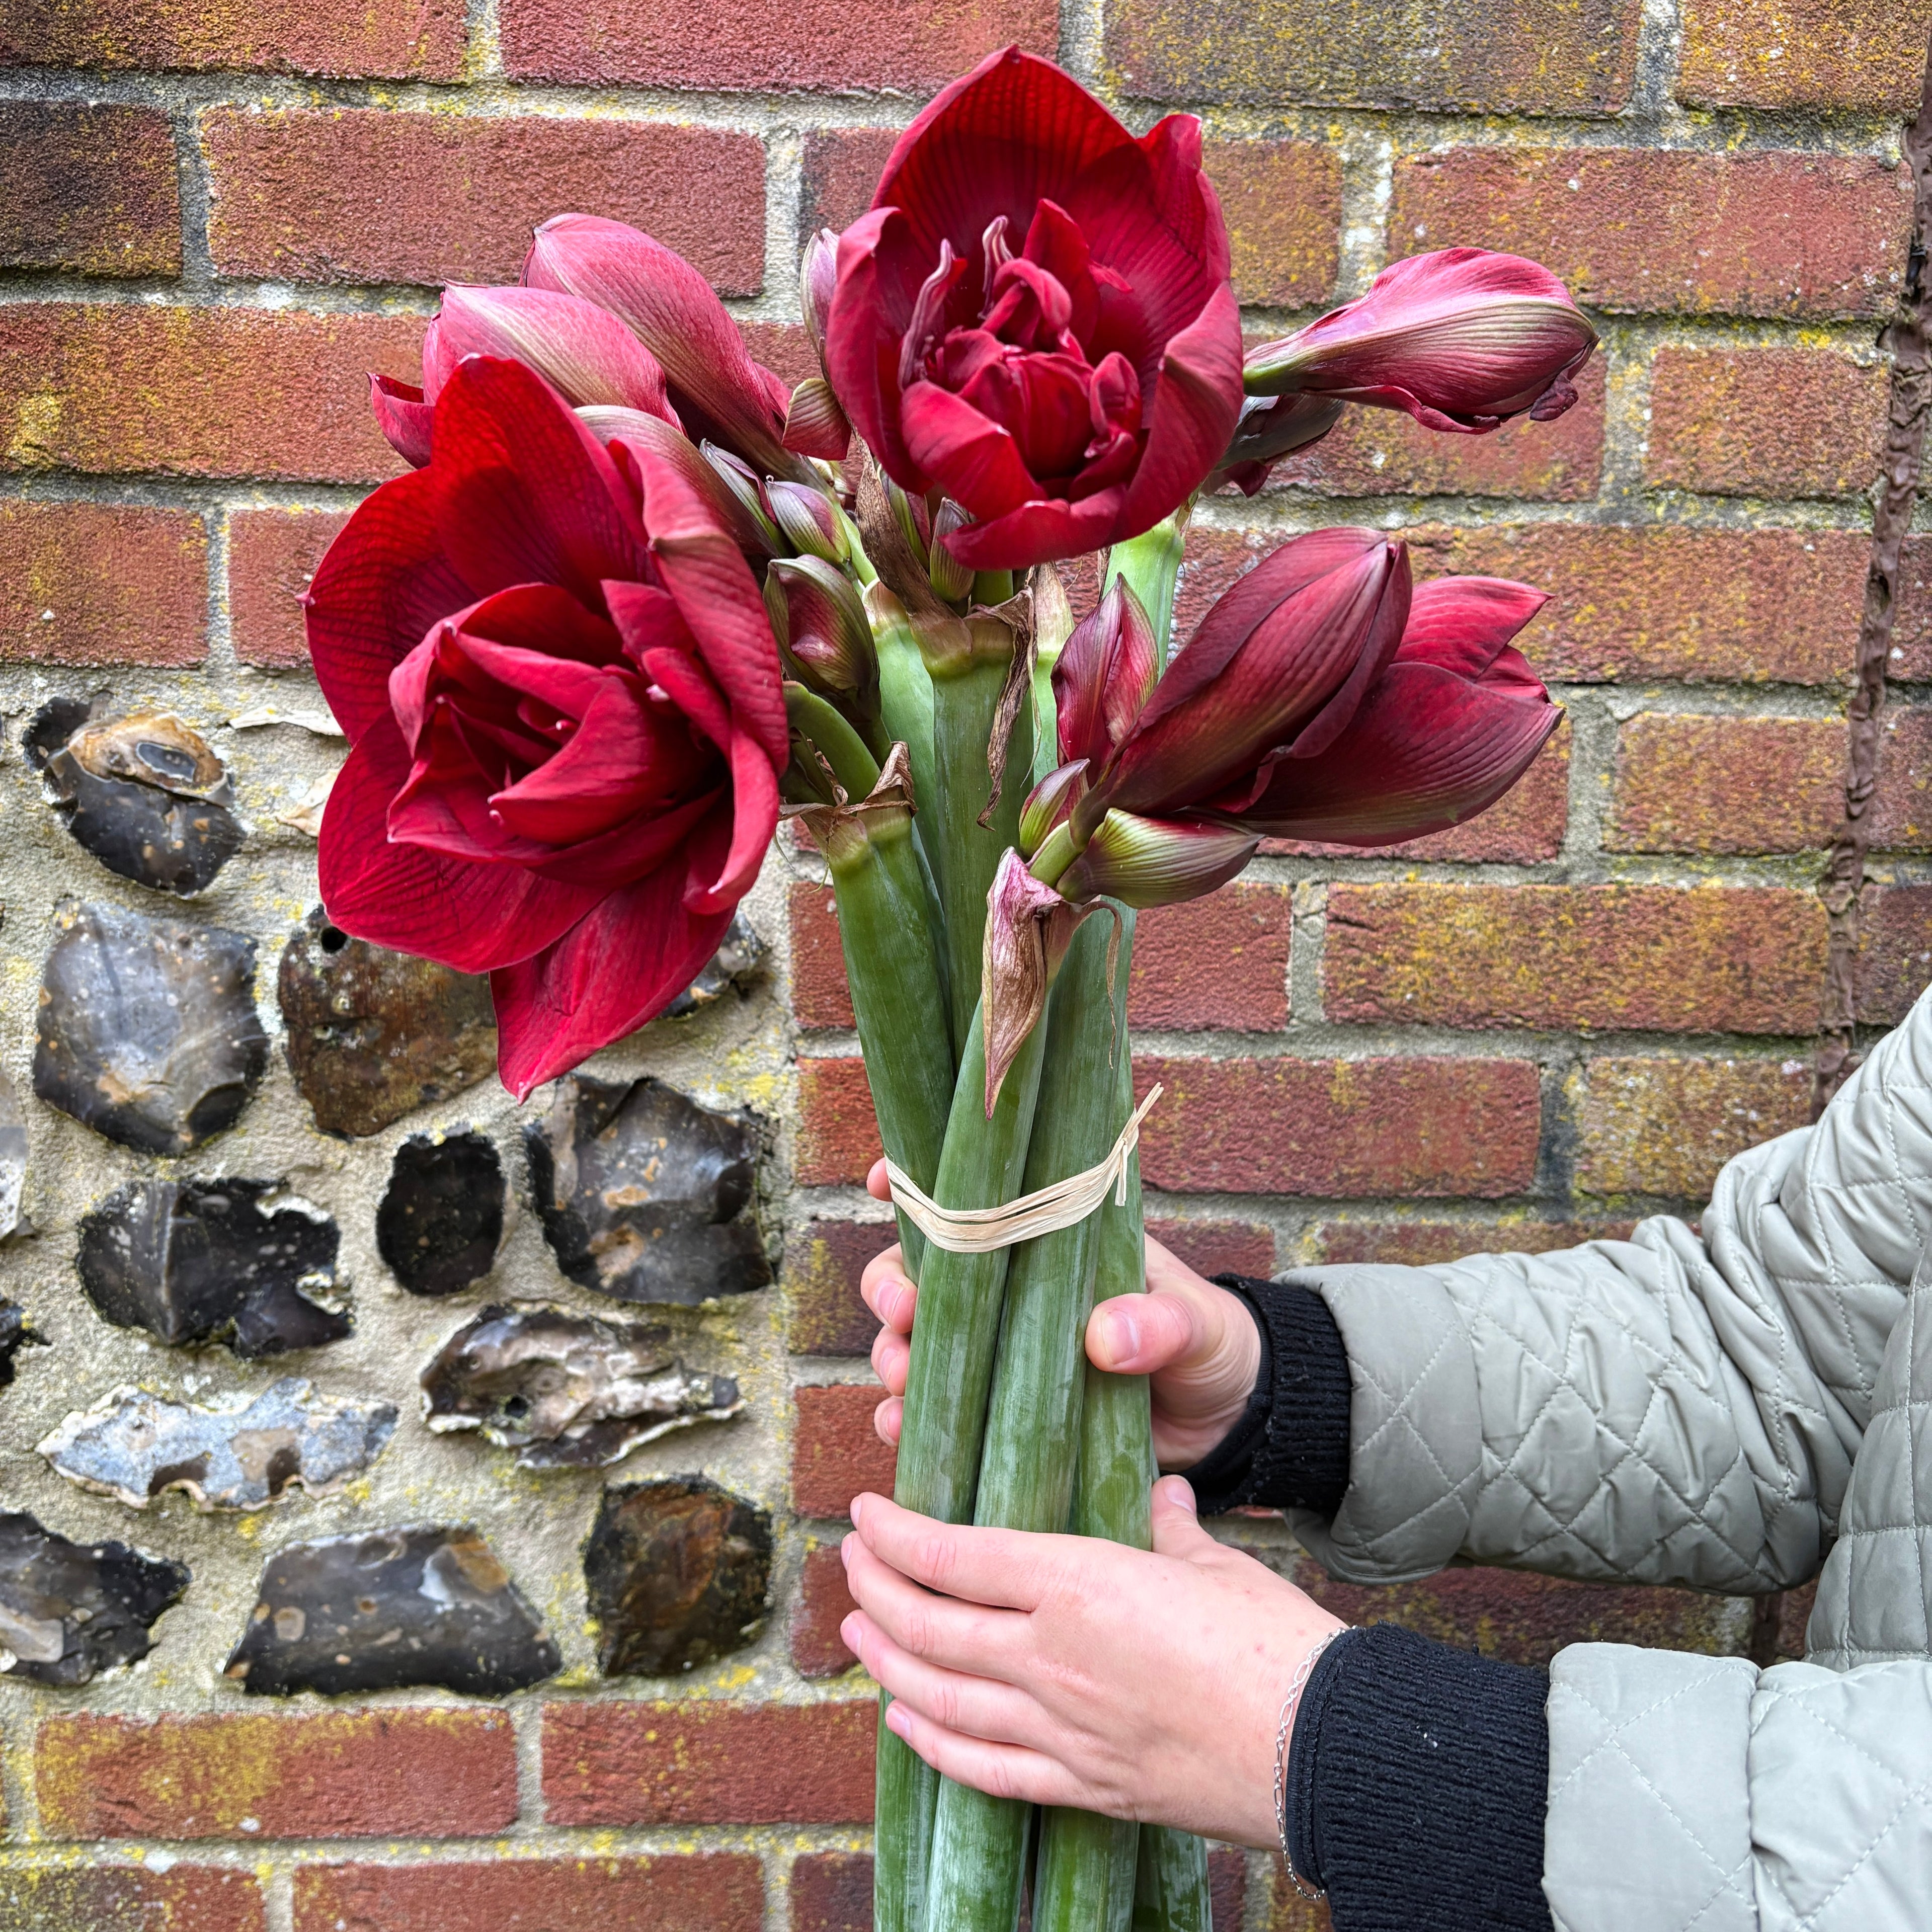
(1303, 1672)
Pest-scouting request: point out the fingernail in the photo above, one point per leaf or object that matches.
(1126, 1336)
(848, 1633)
(845, 1551)
(897, 1722)
(1179, 1491)
(858, 1503)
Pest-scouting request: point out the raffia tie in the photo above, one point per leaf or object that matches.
(979, 1231)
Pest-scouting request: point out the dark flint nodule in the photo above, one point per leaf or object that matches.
(16, 1333)
(12, 1156)
(195, 1261)
(374, 1035)
(737, 963)
(678, 1573)
(567, 1391)
(144, 793)
(442, 1216)
(644, 1194)
(426, 1604)
(148, 1030)
(69, 1611)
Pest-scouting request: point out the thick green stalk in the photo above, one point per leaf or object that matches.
(1151, 563)
(1032, 1445)
(1170, 1883)
(982, 1164)
(905, 693)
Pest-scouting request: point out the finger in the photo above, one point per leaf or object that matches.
(885, 1290)
(1137, 1334)
(888, 1419)
(1005, 1771)
(891, 1354)
(1003, 1567)
(940, 1630)
(1177, 1528)
(877, 1185)
(977, 1705)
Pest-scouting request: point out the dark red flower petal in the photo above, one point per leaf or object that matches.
(1462, 623)
(403, 416)
(1197, 402)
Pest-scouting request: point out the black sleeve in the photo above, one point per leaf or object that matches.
(1290, 1449)
(1417, 1786)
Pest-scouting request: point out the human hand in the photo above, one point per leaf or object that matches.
(1068, 1670)
(1196, 1341)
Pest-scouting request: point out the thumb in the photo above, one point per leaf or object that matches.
(1177, 1529)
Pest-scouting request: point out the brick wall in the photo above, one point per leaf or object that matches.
(1528, 1031)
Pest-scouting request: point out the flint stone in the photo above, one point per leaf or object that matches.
(374, 1035)
(567, 1391)
(441, 1220)
(144, 793)
(15, 1335)
(736, 964)
(426, 1604)
(69, 1611)
(148, 1029)
(13, 1157)
(195, 1261)
(644, 1194)
(678, 1573)
(237, 1454)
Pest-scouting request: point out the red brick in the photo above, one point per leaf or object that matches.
(421, 40)
(839, 1132)
(1797, 234)
(1727, 785)
(1227, 1887)
(1665, 1126)
(272, 554)
(347, 1774)
(1340, 1127)
(124, 584)
(91, 189)
(1423, 1243)
(1764, 422)
(1217, 1247)
(824, 1603)
(835, 1452)
(1911, 658)
(1901, 813)
(1803, 53)
(783, 347)
(744, 45)
(1708, 959)
(822, 1269)
(99, 1897)
(1283, 202)
(361, 195)
(1217, 961)
(722, 1892)
(1894, 961)
(198, 392)
(832, 1891)
(841, 168)
(1380, 452)
(1576, 59)
(700, 1762)
(820, 997)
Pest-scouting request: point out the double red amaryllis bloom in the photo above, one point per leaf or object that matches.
(1035, 318)
(564, 699)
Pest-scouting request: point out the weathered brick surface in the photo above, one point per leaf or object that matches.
(1218, 962)
(824, 1603)
(1901, 813)
(1665, 1126)
(820, 997)
(822, 1267)
(1423, 1243)
(96, 583)
(1894, 962)
(272, 554)
(1764, 422)
(1688, 784)
(737, 44)
(1569, 58)
(1781, 54)
(101, 1898)
(1417, 1126)
(420, 40)
(347, 1775)
(839, 1132)
(1630, 229)
(367, 196)
(91, 189)
(198, 392)
(835, 1452)
(840, 168)
(1711, 959)
(1217, 1247)
(722, 1892)
(1283, 202)
(701, 1762)
(1911, 659)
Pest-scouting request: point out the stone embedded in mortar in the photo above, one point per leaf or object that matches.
(69, 1611)
(426, 1604)
(239, 1453)
(644, 1194)
(13, 1157)
(16, 1333)
(230, 1260)
(374, 1035)
(144, 793)
(442, 1216)
(567, 1391)
(678, 1573)
(737, 963)
(148, 1030)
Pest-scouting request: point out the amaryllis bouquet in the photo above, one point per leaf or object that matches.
(627, 608)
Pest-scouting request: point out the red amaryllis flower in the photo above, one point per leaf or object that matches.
(1035, 317)
(564, 700)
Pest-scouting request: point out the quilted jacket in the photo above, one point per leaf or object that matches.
(1740, 1406)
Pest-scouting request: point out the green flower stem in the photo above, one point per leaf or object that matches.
(1150, 563)
(1032, 1443)
(905, 695)
(1170, 1884)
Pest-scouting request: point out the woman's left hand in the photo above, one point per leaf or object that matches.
(1067, 1670)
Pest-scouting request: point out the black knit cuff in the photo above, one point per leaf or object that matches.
(1418, 1784)
(1290, 1449)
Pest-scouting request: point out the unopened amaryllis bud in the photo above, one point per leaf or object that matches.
(1271, 427)
(745, 485)
(1462, 339)
(809, 520)
(950, 578)
(1103, 674)
(821, 629)
(1154, 861)
(622, 431)
(817, 276)
(1049, 802)
(915, 520)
